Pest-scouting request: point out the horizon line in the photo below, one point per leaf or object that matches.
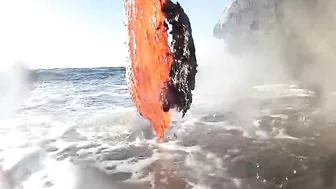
(98, 67)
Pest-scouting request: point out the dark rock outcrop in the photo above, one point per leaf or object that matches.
(178, 91)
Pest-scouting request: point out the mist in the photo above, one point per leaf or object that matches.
(15, 84)
(291, 42)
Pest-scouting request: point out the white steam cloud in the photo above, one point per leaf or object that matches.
(292, 42)
(15, 83)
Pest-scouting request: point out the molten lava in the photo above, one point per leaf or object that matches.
(160, 78)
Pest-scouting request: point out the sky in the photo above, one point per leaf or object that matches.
(80, 33)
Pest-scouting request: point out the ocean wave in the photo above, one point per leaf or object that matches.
(79, 74)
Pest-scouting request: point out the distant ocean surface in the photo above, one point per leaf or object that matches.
(78, 129)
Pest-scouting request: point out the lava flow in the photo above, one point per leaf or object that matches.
(160, 78)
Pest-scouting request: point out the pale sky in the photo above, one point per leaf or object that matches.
(80, 33)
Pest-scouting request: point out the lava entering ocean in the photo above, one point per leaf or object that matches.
(161, 78)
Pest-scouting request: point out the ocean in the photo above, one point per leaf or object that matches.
(78, 129)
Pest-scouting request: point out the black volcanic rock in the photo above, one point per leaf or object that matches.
(178, 92)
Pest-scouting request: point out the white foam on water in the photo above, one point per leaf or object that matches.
(14, 155)
(61, 145)
(282, 135)
(12, 139)
(263, 135)
(280, 90)
(57, 130)
(132, 167)
(217, 161)
(199, 186)
(56, 175)
(173, 146)
(282, 116)
(238, 182)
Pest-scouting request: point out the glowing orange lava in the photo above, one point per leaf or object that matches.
(150, 60)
